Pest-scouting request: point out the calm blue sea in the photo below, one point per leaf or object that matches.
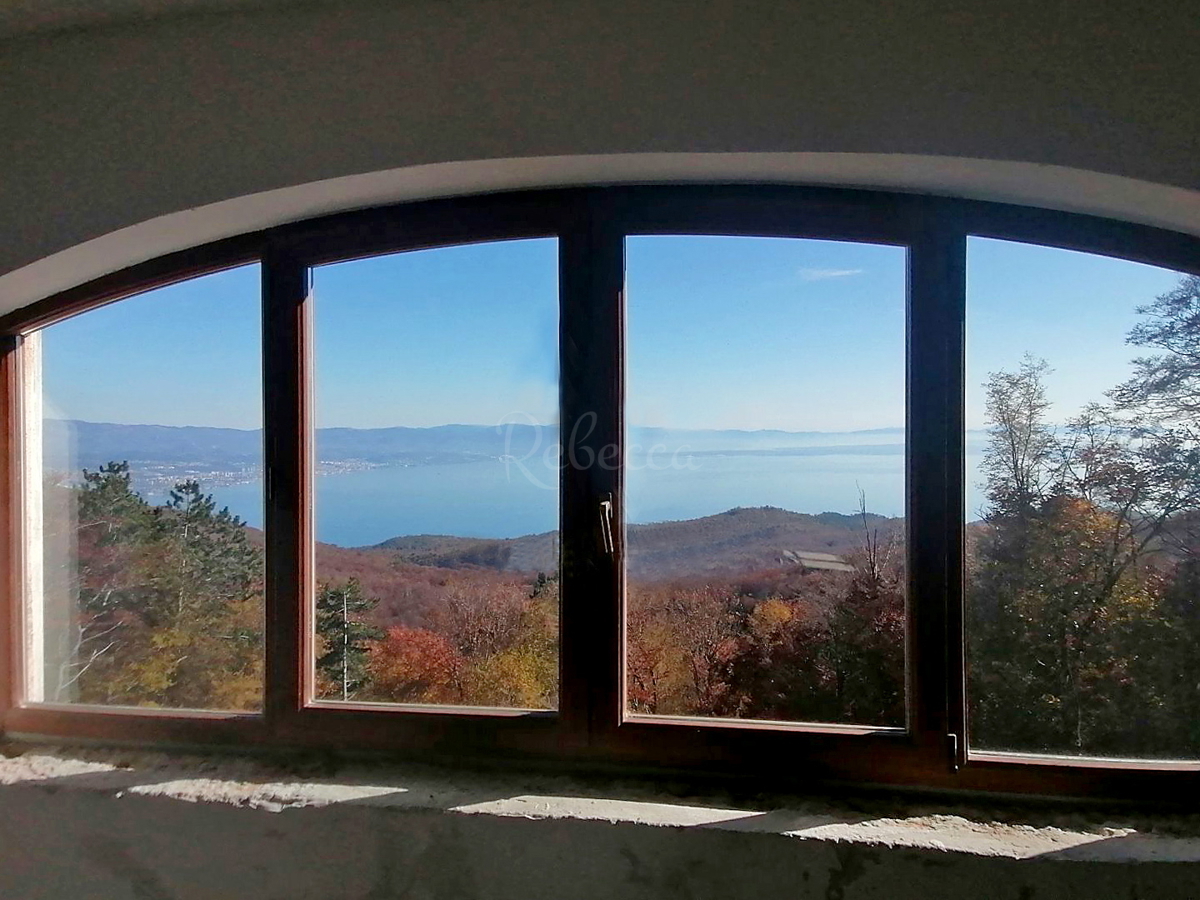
(492, 499)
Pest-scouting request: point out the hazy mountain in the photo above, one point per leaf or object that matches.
(73, 444)
(91, 443)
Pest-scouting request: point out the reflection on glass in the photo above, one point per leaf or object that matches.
(437, 484)
(765, 489)
(143, 429)
(1083, 548)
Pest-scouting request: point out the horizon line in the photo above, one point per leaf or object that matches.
(710, 429)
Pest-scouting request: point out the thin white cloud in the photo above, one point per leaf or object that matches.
(826, 274)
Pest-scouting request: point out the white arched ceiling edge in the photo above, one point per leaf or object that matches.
(1052, 187)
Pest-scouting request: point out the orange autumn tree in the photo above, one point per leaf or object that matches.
(415, 665)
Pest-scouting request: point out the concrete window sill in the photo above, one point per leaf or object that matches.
(89, 822)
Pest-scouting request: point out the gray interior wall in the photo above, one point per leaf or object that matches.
(111, 125)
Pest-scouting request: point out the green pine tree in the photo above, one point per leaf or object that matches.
(344, 637)
(170, 600)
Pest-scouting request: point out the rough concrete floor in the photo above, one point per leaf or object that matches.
(277, 783)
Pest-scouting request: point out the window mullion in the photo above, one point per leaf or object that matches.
(937, 291)
(591, 429)
(287, 437)
(11, 594)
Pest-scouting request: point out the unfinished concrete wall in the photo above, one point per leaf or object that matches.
(116, 124)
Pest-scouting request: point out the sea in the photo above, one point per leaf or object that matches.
(500, 498)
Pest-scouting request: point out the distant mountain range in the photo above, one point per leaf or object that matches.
(736, 540)
(92, 443)
(161, 455)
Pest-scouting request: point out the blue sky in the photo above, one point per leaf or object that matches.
(461, 335)
(723, 333)
(738, 332)
(1071, 309)
(185, 354)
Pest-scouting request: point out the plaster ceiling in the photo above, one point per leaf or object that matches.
(1053, 187)
(22, 17)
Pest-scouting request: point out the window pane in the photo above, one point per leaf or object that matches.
(144, 557)
(437, 477)
(1083, 566)
(765, 492)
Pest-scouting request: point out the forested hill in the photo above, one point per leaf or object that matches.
(738, 539)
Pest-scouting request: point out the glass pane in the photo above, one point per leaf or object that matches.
(1084, 452)
(765, 492)
(144, 501)
(437, 478)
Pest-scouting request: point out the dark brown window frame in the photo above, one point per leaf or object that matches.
(591, 726)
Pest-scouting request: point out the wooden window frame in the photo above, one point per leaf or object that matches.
(591, 725)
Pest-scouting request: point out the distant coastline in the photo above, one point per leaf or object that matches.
(373, 484)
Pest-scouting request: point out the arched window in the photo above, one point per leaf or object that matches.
(794, 483)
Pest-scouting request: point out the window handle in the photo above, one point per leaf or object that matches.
(606, 531)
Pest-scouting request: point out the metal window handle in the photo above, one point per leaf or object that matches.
(606, 531)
